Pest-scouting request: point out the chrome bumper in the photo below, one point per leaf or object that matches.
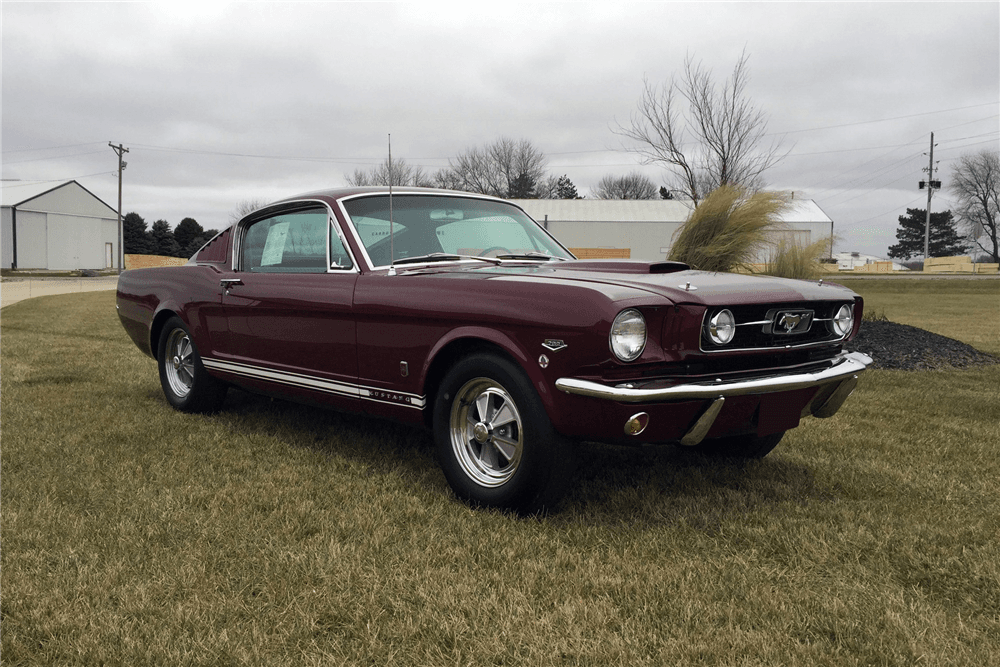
(845, 366)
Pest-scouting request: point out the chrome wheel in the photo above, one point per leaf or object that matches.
(179, 363)
(486, 432)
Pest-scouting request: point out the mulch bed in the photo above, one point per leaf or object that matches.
(902, 347)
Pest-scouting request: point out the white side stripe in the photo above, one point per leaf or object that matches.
(318, 384)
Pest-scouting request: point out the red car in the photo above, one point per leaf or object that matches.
(460, 313)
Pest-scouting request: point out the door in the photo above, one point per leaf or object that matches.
(289, 305)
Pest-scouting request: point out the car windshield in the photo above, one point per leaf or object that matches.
(423, 225)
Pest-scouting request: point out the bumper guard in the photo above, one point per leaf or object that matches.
(835, 383)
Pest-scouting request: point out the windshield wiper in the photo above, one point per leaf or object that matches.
(444, 257)
(531, 255)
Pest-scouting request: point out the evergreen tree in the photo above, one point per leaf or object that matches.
(565, 188)
(522, 187)
(163, 240)
(944, 238)
(193, 246)
(135, 237)
(187, 230)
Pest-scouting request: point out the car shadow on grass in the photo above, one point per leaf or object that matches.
(612, 485)
(667, 484)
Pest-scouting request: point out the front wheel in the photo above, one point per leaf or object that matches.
(495, 443)
(186, 384)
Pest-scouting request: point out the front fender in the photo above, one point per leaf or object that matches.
(506, 342)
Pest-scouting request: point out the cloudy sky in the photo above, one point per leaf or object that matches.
(223, 102)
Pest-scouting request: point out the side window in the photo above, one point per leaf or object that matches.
(287, 243)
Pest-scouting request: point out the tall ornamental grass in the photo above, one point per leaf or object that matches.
(729, 229)
(790, 260)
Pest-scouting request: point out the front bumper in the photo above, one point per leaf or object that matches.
(833, 384)
(844, 366)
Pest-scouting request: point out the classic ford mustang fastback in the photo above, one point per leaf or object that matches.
(459, 312)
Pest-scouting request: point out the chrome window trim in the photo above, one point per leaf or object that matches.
(418, 193)
(273, 210)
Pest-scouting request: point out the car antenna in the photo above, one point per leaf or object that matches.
(392, 250)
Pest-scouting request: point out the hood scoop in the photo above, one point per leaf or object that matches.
(625, 266)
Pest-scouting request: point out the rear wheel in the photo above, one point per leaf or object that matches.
(186, 384)
(495, 443)
(742, 446)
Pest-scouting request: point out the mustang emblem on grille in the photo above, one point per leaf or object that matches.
(789, 321)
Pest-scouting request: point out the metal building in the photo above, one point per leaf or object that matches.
(647, 227)
(58, 227)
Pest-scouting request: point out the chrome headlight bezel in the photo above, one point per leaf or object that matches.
(628, 334)
(842, 322)
(720, 329)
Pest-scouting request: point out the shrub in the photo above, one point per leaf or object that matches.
(789, 260)
(729, 229)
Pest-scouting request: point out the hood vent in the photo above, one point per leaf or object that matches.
(625, 266)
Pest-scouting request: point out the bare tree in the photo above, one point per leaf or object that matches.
(631, 186)
(505, 168)
(398, 173)
(557, 187)
(727, 131)
(246, 207)
(448, 179)
(976, 188)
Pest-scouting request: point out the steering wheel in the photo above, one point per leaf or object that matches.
(503, 250)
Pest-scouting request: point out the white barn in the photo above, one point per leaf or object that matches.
(57, 227)
(647, 227)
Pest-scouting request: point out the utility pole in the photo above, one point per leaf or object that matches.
(120, 150)
(931, 184)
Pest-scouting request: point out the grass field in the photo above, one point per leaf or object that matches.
(273, 534)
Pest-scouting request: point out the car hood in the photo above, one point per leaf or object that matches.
(671, 280)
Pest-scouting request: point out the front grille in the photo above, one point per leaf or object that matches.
(716, 366)
(777, 325)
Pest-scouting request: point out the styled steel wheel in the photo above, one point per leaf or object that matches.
(495, 443)
(186, 384)
(179, 363)
(486, 432)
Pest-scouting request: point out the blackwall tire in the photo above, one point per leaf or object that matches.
(186, 384)
(495, 443)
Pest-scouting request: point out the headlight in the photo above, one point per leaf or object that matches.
(721, 328)
(628, 335)
(843, 321)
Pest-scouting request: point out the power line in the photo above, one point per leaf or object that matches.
(893, 210)
(21, 183)
(51, 157)
(52, 148)
(881, 120)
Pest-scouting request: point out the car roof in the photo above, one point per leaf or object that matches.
(341, 192)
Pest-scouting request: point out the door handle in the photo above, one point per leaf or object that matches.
(229, 282)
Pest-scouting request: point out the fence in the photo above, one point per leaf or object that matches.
(958, 264)
(602, 253)
(149, 261)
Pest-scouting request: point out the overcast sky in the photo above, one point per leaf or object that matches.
(223, 102)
